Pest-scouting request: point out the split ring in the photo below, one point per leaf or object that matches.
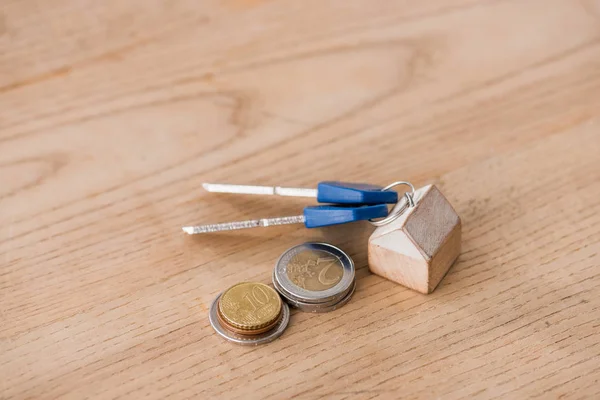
(400, 207)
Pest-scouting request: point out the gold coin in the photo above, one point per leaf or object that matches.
(250, 306)
(315, 270)
(248, 332)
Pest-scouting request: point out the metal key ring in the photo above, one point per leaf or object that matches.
(399, 208)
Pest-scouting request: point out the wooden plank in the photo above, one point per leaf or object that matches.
(113, 113)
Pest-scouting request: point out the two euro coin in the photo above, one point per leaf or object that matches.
(315, 277)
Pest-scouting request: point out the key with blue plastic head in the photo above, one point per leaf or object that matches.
(313, 217)
(326, 192)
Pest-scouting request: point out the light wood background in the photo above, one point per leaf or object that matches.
(112, 113)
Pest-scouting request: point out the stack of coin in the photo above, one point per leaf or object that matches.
(249, 313)
(315, 277)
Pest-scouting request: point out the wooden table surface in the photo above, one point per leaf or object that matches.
(112, 114)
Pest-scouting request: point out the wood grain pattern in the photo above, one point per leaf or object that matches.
(112, 113)
(417, 248)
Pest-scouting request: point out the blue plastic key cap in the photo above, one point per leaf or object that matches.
(317, 216)
(354, 193)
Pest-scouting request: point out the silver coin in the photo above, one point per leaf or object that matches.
(322, 308)
(248, 340)
(314, 273)
(293, 300)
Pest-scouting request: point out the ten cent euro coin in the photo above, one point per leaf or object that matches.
(249, 314)
(249, 306)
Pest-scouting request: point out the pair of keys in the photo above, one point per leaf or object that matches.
(349, 202)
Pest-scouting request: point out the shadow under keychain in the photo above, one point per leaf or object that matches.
(415, 243)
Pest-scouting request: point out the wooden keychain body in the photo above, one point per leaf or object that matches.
(419, 243)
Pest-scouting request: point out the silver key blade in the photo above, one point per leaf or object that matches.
(261, 190)
(253, 223)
